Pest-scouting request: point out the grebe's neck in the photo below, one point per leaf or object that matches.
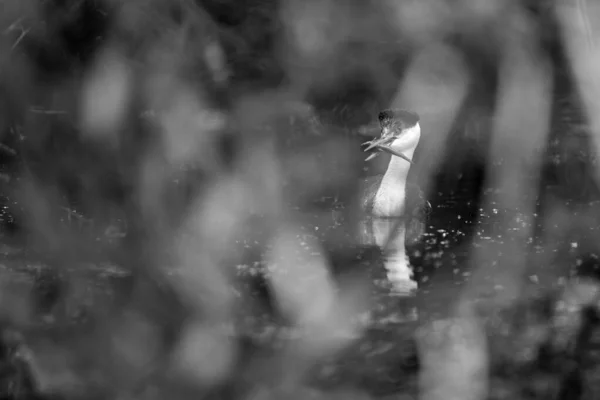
(407, 142)
(398, 168)
(391, 195)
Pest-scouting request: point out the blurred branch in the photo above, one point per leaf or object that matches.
(8, 150)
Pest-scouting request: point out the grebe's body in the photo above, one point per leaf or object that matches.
(384, 197)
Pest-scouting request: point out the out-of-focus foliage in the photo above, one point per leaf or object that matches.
(180, 184)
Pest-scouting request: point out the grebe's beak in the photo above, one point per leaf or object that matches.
(387, 136)
(381, 143)
(393, 152)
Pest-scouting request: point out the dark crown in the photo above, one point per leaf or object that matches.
(401, 119)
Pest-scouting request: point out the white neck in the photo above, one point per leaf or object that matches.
(389, 200)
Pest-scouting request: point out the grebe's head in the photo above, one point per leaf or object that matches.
(400, 133)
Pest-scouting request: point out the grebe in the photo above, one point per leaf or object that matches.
(384, 197)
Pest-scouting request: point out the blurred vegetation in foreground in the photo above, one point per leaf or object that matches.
(178, 181)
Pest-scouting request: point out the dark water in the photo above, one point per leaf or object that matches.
(563, 231)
